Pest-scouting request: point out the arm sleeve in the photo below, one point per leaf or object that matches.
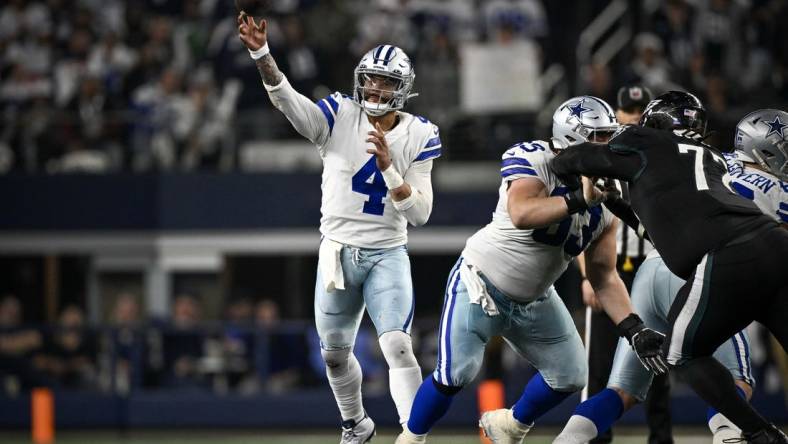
(594, 160)
(310, 119)
(418, 206)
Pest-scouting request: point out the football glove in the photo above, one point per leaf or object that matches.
(646, 343)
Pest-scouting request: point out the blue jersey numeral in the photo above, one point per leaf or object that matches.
(573, 244)
(376, 190)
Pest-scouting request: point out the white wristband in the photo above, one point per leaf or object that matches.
(260, 53)
(392, 178)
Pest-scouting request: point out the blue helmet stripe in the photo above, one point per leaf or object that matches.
(378, 50)
(389, 54)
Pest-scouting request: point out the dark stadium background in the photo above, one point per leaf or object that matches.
(158, 230)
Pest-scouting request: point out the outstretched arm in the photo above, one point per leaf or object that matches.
(255, 38)
(612, 294)
(595, 160)
(306, 117)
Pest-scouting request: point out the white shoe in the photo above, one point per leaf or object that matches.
(408, 437)
(502, 428)
(357, 433)
(725, 433)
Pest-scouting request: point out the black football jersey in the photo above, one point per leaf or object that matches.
(679, 188)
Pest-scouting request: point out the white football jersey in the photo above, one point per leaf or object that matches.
(524, 263)
(769, 193)
(356, 207)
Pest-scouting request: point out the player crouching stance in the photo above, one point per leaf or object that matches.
(502, 283)
(370, 193)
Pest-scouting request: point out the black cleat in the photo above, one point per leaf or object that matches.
(769, 435)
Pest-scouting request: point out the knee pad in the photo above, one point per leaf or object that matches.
(397, 349)
(336, 360)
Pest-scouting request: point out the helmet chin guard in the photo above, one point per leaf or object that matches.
(391, 63)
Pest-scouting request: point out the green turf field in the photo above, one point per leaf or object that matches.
(266, 437)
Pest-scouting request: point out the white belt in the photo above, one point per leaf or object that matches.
(477, 290)
(330, 259)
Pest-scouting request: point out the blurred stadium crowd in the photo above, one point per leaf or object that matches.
(158, 85)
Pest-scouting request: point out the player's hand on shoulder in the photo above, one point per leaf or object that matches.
(253, 35)
(381, 148)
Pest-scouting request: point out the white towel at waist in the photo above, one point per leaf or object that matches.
(330, 258)
(477, 290)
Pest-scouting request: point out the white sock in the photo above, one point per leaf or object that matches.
(718, 421)
(346, 384)
(404, 383)
(578, 430)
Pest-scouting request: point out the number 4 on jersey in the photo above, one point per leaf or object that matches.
(369, 180)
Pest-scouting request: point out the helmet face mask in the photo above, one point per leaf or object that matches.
(583, 119)
(386, 75)
(761, 137)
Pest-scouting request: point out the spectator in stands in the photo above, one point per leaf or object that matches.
(127, 344)
(523, 19)
(649, 66)
(18, 345)
(238, 341)
(673, 23)
(280, 358)
(70, 353)
(183, 345)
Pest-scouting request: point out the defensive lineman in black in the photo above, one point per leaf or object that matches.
(732, 256)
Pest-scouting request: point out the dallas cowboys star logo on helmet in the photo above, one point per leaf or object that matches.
(578, 110)
(775, 127)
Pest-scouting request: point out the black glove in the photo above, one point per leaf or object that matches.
(576, 201)
(613, 194)
(646, 343)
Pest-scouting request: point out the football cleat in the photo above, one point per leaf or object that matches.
(357, 433)
(502, 428)
(408, 437)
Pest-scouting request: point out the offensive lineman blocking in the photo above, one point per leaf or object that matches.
(366, 206)
(502, 283)
(655, 288)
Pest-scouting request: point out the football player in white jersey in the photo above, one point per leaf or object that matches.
(759, 165)
(502, 283)
(756, 168)
(377, 162)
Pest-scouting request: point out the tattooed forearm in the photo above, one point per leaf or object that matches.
(269, 71)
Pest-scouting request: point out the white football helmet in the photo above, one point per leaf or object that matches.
(579, 119)
(762, 138)
(392, 63)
